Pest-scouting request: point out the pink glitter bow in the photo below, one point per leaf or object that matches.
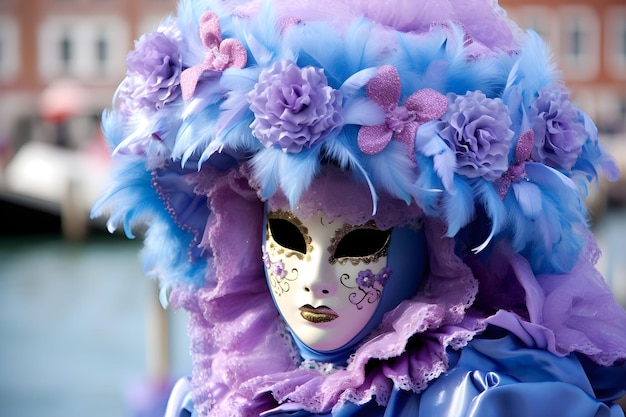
(402, 121)
(221, 54)
(517, 171)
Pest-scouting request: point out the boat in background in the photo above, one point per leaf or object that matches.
(46, 188)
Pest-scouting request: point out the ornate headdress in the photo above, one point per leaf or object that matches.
(446, 107)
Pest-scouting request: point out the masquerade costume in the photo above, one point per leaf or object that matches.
(438, 123)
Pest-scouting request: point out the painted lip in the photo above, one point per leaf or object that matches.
(321, 314)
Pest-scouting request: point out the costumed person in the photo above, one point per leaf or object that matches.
(367, 208)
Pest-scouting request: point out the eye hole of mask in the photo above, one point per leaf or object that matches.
(359, 243)
(287, 235)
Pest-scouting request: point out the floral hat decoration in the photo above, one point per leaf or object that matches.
(452, 109)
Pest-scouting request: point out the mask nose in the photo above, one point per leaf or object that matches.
(321, 290)
(320, 279)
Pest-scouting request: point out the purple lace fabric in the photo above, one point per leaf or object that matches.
(339, 196)
(244, 362)
(562, 313)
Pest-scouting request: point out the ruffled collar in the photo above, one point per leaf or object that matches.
(244, 362)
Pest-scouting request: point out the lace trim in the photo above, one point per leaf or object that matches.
(285, 336)
(324, 368)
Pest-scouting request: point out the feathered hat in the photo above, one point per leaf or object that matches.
(444, 105)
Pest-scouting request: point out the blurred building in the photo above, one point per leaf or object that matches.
(60, 63)
(588, 39)
(77, 49)
(64, 58)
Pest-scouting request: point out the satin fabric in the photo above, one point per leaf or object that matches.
(494, 377)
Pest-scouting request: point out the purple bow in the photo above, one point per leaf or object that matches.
(517, 171)
(221, 54)
(401, 122)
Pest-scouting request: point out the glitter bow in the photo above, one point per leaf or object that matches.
(401, 122)
(221, 54)
(517, 171)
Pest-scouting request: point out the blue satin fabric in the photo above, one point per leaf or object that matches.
(495, 377)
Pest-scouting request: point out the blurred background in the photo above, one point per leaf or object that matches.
(81, 330)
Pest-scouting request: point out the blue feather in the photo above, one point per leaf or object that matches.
(393, 170)
(494, 208)
(534, 69)
(111, 126)
(135, 203)
(520, 228)
(528, 196)
(427, 190)
(440, 62)
(355, 83)
(262, 36)
(188, 18)
(458, 207)
(429, 143)
(206, 94)
(361, 111)
(195, 134)
(340, 151)
(232, 110)
(296, 173)
(266, 170)
(594, 158)
(546, 215)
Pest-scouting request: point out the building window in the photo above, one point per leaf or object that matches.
(91, 47)
(110, 39)
(66, 49)
(9, 49)
(102, 52)
(579, 42)
(57, 47)
(615, 36)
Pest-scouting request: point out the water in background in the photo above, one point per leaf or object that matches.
(610, 233)
(73, 329)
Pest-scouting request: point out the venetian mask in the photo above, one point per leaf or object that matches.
(332, 281)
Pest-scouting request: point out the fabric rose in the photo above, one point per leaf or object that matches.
(153, 73)
(559, 129)
(477, 129)
(294, 107)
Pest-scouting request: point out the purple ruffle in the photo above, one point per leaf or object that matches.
(233, 324)
(243, 366)
(429, 323)
(244, 362)
(562, 313)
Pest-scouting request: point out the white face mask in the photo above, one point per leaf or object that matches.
(326, 278)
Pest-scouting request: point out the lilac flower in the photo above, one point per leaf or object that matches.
(294, 107)
(383, 276)
(278, 270)
(365, 279)
(559, 129)
(477, 129)
(153, 73)
(275, 269)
